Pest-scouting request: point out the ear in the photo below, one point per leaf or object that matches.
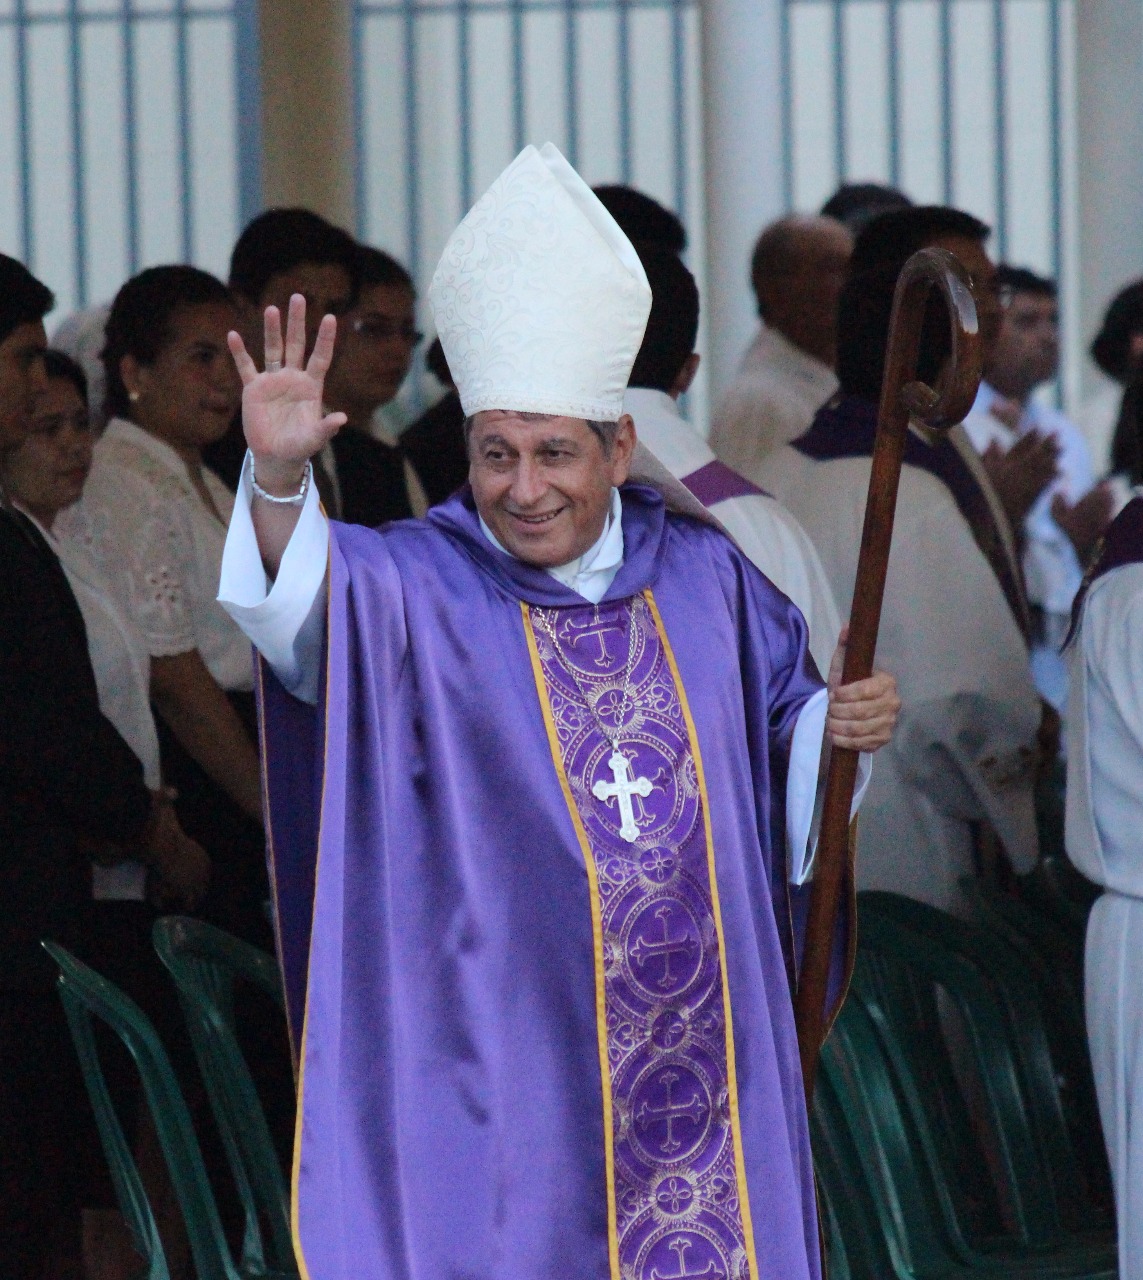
(622, 449)
(1135, 348)
(682, 383)
(133, 375)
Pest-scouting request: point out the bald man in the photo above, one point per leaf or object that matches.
(797, 271)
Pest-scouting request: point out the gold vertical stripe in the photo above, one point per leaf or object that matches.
(731, 1072)
(597, 941)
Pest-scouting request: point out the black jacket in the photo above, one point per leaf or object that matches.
(65, 772)
(435, 446)
(371, 475)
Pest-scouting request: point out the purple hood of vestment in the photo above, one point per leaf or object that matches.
(433, 910)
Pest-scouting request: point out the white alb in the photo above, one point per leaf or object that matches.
(1104, 822)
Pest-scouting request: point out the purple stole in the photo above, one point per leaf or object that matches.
(671, 1126)
(1121, 544)
(716, 482)
(846, 427)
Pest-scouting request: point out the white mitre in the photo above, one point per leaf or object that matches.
(540, 300)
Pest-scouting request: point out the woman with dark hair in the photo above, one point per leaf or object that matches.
(1112, 419)
(159, 517)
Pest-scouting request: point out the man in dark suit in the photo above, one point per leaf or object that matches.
(70, 790)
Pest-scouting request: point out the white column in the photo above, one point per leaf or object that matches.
(742, 119)
(307, 106)
(1109, 82)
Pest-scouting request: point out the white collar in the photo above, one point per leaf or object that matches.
(665, 432)
(127, 432)
(772, 345)
(591, 574)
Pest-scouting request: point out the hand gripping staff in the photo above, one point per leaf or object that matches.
(903, 397)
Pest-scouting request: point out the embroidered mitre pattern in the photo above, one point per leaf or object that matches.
(539, 299)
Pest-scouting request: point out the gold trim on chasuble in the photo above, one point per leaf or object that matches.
(676, 1183)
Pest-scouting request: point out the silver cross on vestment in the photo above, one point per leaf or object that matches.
(621, 790)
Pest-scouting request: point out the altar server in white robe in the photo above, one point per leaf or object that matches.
(954, 620)
(762, 527)
(1104, 834)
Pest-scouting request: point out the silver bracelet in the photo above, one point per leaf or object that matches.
(293, 500)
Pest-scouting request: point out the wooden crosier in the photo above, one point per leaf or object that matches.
(902, 398)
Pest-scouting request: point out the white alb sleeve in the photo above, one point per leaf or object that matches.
(285, 620)
(805, 786)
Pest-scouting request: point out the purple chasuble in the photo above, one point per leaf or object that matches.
(539, 986)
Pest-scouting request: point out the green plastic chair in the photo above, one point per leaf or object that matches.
(1060, 891)
(87, 996)
(206, 964)
(920, 937)
(1051, 951)
(909, 1236)
(837, 1262)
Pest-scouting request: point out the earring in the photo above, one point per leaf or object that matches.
(132, 396)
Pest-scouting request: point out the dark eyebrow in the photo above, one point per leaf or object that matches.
(559, 442)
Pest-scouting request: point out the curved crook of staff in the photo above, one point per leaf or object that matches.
(903, 397)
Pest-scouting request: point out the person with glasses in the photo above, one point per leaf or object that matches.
(376, 482)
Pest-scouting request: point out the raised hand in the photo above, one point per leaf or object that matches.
(282, 411)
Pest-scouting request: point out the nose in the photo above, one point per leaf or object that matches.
(528, 484)
(37, 377)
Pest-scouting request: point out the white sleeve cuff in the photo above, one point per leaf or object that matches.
(285, 620)
(805, 786)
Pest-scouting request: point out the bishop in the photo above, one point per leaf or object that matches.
(541, 770)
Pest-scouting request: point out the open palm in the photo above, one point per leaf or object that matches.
(283, 416)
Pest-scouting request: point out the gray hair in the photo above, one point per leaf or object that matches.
(606, 431)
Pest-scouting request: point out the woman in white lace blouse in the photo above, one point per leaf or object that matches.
(160, 517)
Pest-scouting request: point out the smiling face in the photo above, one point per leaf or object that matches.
(543, 484)
(191, 391)
(46, 474)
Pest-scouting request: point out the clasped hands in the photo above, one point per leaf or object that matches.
(862, 715)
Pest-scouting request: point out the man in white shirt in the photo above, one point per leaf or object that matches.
(787, 374)
(762, 527)
(1104, 822)
(1065, 520)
